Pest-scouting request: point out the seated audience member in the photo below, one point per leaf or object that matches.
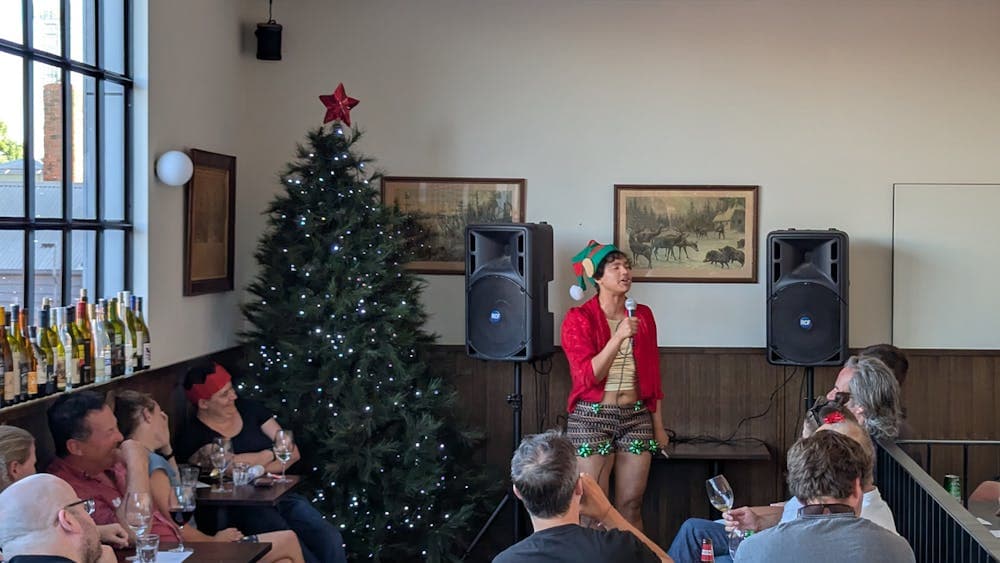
(17, 461)
(43, 520)
(687, 543)
(892, 357)
(546, 478)
(872, 396)
(825, 473)
(251, 429)
(140, 418)
(93, 458)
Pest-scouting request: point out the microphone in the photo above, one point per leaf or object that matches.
(630, 306)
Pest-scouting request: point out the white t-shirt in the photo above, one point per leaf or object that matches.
(872, 508)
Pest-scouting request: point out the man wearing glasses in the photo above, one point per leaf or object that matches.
(42, 520)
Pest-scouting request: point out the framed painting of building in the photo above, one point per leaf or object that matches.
(438, 210)
(688, 233)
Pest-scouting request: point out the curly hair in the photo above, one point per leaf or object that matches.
(874, 389)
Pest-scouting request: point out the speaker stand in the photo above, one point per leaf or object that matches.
(809, 387)
(514, 400)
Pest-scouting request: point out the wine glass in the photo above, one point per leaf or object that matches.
(284, 445)
(220, 455)
(182, 512)
(720, 494)
(138, 514)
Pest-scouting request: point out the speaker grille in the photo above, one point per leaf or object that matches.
(497, 317)
(805, 324)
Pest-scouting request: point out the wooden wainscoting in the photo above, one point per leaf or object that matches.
(948, 394)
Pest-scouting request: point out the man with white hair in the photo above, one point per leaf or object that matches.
(42, 520)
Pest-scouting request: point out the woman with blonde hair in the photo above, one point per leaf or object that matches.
(17, 461)
(140, 418)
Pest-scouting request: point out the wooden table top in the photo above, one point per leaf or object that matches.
(247, 495)
(987, 510)
(719, 452)
(213, 552)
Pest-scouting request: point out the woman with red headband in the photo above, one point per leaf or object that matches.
(251, 428)
(614, 406)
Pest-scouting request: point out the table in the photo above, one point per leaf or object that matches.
(213, 552)
(717, 453)
(987, 510)
(246, 496)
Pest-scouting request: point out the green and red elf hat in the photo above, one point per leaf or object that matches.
(584, 265)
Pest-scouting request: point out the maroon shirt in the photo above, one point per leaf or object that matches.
(108, 491)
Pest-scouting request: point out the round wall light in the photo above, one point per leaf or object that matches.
(174, 168)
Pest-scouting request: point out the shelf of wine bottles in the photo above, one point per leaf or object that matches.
(70, 347)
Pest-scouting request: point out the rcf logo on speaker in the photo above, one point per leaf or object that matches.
(495, 316)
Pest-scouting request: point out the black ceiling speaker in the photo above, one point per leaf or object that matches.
(269, 38)
(507, 270)
(807, 285)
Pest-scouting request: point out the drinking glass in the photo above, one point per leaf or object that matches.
(284, 445)
(720, 494)
(182, 512)
(221, 455)
(241, 474)
(189, 475)
(138, 513)
(146, 548)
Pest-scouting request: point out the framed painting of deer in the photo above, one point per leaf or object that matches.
(688, 233)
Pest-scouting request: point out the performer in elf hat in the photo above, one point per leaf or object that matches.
(614, 405)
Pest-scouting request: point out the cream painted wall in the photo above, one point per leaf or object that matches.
(823, 104)
(192, 88)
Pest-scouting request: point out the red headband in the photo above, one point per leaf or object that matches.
(213, 383)
(833, 418)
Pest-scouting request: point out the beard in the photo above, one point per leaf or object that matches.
(92, 549)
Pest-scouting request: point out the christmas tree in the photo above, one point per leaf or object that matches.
(337, 349)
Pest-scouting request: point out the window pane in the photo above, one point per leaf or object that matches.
(48, 141)
(48, 267)
(82, 31)
(84, 148)
(113, 154)
(84, 262)
(45, 27)
(11, 267)
(12, 136)
(113, 267)
(10, 23)
(113, 35)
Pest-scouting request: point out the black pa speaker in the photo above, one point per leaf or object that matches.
(507, 270)
(268, 41)
(807, 287)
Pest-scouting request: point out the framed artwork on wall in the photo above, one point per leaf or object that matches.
(688, 233)
(440, 208)
(210, 223)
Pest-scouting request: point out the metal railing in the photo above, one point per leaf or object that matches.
(937, 526)
(964, 444)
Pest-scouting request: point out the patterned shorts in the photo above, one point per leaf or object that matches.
(599, 429)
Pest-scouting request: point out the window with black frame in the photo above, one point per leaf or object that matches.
(65, 156)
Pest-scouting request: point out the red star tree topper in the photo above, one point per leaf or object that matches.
(338, 105)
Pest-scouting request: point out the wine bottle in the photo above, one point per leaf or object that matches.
(115, 336)
(102, 346)
(29, 375)
(6, 361)
(12, 383)
(43, 365)
(85, 338)
(48, 339)
(76, 351)
(64, 361)
(143, 342)
(127, 322)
